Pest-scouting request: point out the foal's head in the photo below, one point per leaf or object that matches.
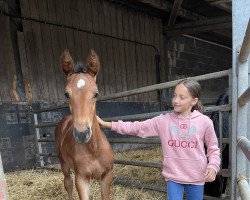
(82, 91)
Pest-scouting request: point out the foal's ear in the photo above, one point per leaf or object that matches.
(67, 63)
(93, 63)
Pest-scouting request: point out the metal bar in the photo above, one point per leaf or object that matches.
(46, 140)
(144, 115)
(139, 163)
(207, 109)
(226, 107)
(41, 161)
(133, 140)
(245, 48)
(225, 140)
(47, 155)
(244, 188)
(240, 21)
(245, 97)
(150, 187)
(244, 145)
(3, 186)
(136, 116)
(161, 86)
(224, 173)
(64, 105)
(45, 125)
(151, 88)
(139, 185)
(220, 134)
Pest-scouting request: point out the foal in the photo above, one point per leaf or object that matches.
(80, 143)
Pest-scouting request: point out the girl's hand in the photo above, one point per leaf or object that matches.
(210, 175)
(103, 123)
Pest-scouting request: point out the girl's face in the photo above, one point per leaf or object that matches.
(182, 100)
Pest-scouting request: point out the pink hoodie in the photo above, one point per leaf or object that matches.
(182, 140)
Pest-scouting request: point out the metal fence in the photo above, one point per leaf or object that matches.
(161, 86)
(240, 117)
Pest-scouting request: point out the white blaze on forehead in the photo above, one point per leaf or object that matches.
(80, 83)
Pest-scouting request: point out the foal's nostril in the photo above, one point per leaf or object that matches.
(82, 136)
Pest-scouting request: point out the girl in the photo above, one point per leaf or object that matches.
(183, 134)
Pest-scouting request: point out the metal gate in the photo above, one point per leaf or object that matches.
(240, 145)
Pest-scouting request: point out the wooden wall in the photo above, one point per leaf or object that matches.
(124, 65)
(8, 80)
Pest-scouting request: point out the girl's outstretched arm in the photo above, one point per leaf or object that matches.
(103, 123)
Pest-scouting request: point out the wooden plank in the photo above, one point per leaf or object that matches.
(104, 56)
(55, 43)
(109, 50)
(156, 42)
(6, 75)
(153, 52)
(24, 66)
(150, 72)
(38, 42)
(69, 32)
(132, 52)
(96, 11)
(116, 56)
(121, 46)
(127, 51)
(163, 70)
(74, 10)
(89, 23)
(199, 26)
(60, 15)
(174, 12)
(83, 25)
(30, 48)
(143, 55)
(138, 55)
(47, 50)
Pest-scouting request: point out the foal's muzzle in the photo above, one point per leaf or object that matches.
(81, 137)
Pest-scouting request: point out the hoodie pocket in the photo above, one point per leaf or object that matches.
(183, 170)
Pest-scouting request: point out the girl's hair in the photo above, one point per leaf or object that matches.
(194, 89)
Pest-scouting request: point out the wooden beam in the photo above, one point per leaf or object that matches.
(158, 10)
(199, 26)
(225, 5)
(174, 12)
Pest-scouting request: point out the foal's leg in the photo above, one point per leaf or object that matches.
(82, 186)
(68, 182)
(106, 182)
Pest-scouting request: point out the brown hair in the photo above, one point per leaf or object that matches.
(194, 89)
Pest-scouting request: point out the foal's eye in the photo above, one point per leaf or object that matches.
(66, 95)
(96, 95)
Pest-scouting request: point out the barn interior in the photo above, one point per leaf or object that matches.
(140, 43)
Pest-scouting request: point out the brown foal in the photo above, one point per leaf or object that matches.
(80, 143)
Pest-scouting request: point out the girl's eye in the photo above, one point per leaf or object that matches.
(96, 95)
(66, 95)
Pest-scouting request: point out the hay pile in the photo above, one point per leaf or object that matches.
(48, 185)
